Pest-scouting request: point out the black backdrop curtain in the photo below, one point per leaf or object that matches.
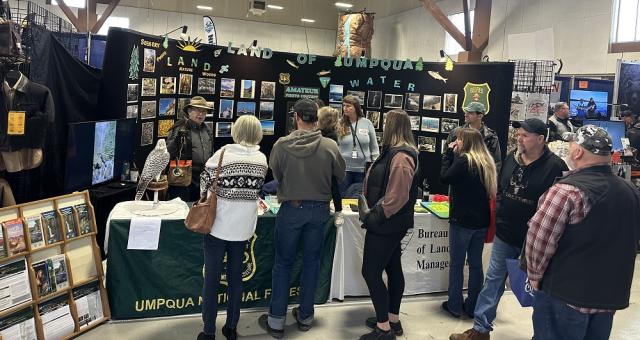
(74, 87)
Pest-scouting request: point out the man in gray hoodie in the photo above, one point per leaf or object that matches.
(303, 163)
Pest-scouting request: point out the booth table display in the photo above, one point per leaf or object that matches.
(168, 281)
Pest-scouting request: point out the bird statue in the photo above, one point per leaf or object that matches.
(154, 165)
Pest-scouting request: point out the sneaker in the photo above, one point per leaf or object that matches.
(372, 322)
(229, 333)
(470, 334)
(203, 336)
(263, 321)
(301, 326)
(445, 307)
(379, 334)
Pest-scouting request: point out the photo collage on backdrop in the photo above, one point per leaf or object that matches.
(159, 100)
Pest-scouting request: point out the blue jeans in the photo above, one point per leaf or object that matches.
(294, 225)
(553, 319)
(350, 178)
(493, 288)
(214, 250)
(465, 242)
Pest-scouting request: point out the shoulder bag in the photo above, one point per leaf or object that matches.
(180, 169)
(203, 212)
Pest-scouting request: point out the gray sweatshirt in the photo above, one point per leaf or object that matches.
(303, 164)
(366, 137)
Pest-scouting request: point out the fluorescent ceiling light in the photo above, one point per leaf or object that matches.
(206, 8)
(70, 3)
(343, 5)
(275, 7)
(307, 20)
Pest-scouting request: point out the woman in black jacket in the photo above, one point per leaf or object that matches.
(327, 124)
(390, 189)
(471, 172)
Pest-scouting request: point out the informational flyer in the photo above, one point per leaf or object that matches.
(57, 321)
(537, 106)
(88, 303)
(18, 326)
(14, 284)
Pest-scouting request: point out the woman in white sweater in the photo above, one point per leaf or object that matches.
(242, 175)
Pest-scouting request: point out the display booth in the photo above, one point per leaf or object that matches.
(150, 78)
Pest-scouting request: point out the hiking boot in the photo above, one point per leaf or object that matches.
(379, 334)
(372, 322)
(301, 326)
(263, 321)
(203, 336)
(470, 334)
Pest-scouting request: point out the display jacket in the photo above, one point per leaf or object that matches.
(490, 140)
(197, 144)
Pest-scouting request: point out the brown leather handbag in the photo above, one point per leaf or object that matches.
(203, 212)
(180, 170)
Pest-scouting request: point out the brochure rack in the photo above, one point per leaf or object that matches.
(79, 254)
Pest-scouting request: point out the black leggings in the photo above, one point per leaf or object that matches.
(382, 252)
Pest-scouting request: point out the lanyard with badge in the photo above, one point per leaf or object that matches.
(354, 152)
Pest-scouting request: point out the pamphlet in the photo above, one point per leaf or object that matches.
(14, 284)
(69, 222)
(83, 218)
(51, 227)
(57, 321)
(144, 233)
(58, 269)
(34, 225)
(15, 236)
(88, 303)
(18, 326)
(43, 282)
(3, 249)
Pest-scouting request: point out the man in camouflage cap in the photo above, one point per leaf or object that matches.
(580, 262)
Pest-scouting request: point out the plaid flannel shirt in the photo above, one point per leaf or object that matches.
(561, 205)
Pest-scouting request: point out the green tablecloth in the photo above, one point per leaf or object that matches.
(168, 281)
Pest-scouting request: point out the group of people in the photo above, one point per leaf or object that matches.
(545, 214)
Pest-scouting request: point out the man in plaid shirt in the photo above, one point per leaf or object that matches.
(581, 244)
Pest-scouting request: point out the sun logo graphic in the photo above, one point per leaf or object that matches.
(190, 45)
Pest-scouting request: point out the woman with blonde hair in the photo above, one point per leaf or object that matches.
(327, 124)
(390, 190)
(357, 142)
(242, 173)
(471, 172)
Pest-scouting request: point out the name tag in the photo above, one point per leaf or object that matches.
(363, 131)
(354, 154)
(15, 123)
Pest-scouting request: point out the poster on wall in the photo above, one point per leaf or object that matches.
(413, 102)
(335, 93)
(186, 83)
(266, 111)
(146, 136)
(518, 107)
(246, 108)
(415, 123)
(374, 99)
(148, 109)
(427, 144)
(448, 125)
(374, 117)
(149, 60)
(627, 86)
(556, 90)
(206, 85)
(167, 107)
(148, 87)
(226, 109)
(537, 106)
(248, 89)
(227, 87)
(450, 103)
(357, 94)
(268, 90)
(167, 85)
(430, 124)
(132, 93)
(393, 101)
(433, 103)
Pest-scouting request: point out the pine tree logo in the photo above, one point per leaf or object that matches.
(134, 63)
(419, 65)
(338, 62)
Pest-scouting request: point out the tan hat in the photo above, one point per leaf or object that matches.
(199, 102)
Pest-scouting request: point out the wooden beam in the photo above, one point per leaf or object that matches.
(82, 19)
(467, 26)
(92, 13)
(107, 12)
(442, 19)
(482, 25)
(69, 13)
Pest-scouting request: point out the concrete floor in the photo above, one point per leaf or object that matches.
(421, 319)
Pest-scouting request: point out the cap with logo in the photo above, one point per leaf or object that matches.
(533, 125)
(476, 107)
(594, 139)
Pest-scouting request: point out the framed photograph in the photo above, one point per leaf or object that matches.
(450, 102)
(427, 144)
(149, 60)
(226, 109)
(518, 106)
(374, 99)
(448, 124)
(245, 108)
(335, 93)
(268, 127)
(186, 83)
(248, 90)
(167, 107)
(227, 87)
(266, 111)
(358, 94)
(393, 101)
(132, 93)
(415, 123)
(374, 117)
(148, 109)
(268, 90)
(412, 102)
(148, 87)
(223, 129)
(167, 85)
(430, 102)
(132, 111)
(163, 127)
(430, 124)
(206, 85)
(337, 106)
(146, 136)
